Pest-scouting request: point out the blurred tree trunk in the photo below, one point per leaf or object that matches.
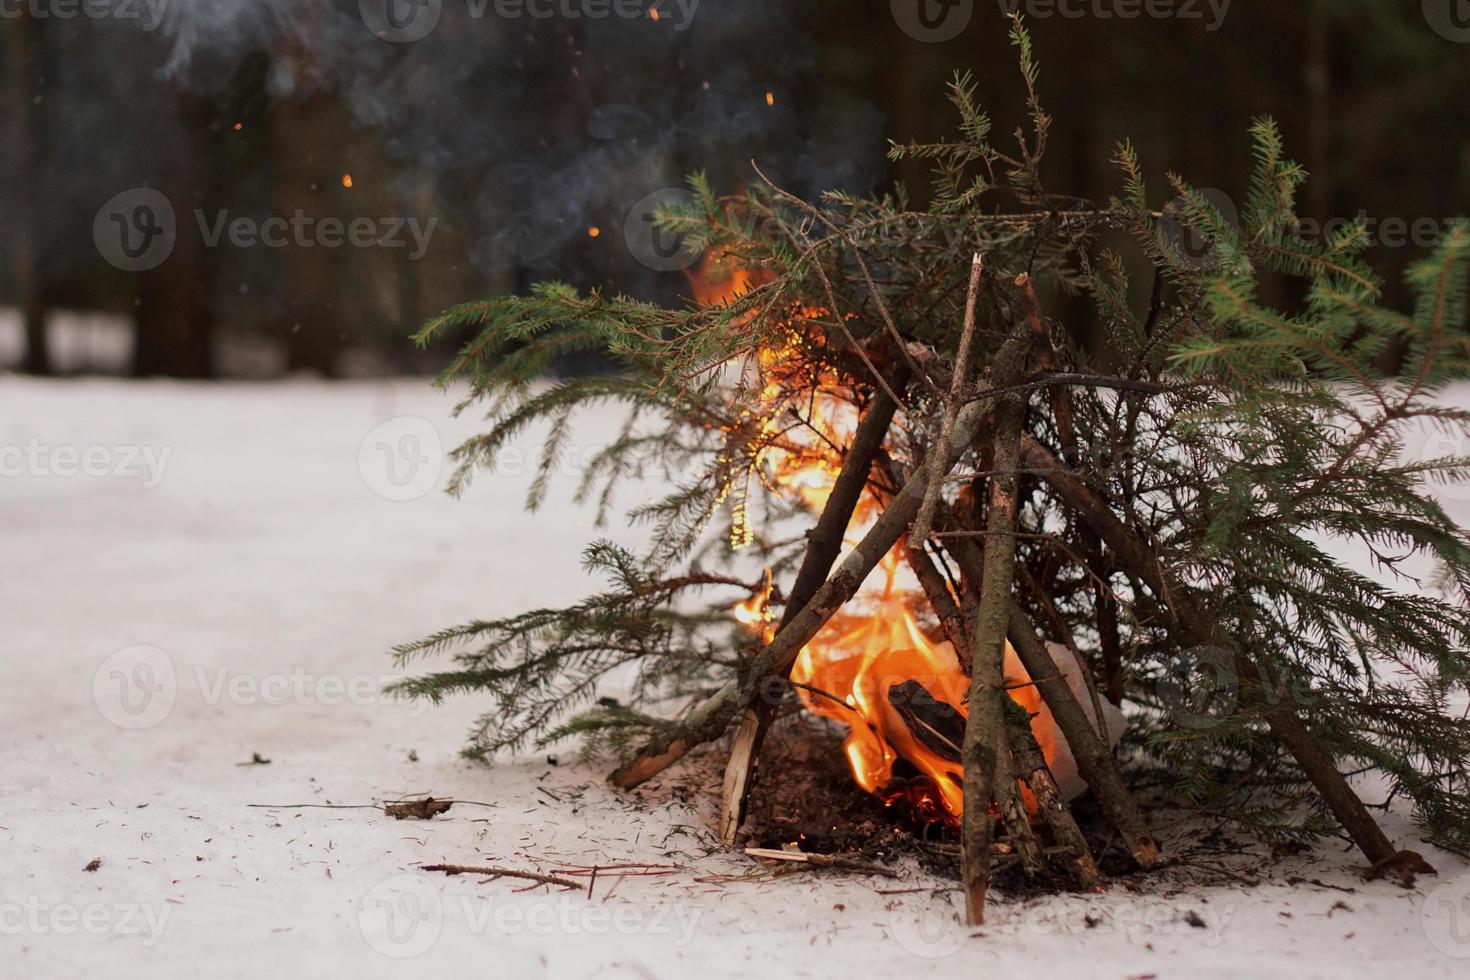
(906, 97)
(173, 323)
(22, 90)
(305, 130)
(1317, 78)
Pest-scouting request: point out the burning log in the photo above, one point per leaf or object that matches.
(825, 545)
(938, 725)
(713, 718)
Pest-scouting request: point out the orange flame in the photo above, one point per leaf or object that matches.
(849, 670)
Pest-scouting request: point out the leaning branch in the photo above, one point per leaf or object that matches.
(825, 544)
(1198, 627)
(985, 724)
(712, 718)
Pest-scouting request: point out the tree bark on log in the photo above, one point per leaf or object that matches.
(986, 721)
(1007, 795)
(1050, 805)
(1094, 761)
(711, 719)
(1196, 626)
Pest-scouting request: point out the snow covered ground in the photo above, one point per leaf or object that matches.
(193, 575)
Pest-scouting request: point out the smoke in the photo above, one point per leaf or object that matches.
(530, 128)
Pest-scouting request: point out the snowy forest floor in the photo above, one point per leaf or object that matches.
(197, 575)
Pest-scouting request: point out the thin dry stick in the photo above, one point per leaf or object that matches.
(957, 386)
(821, 861)
(942, 601)
(876, 294)
(493, 873)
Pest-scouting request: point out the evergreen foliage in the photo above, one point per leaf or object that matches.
(1253, 444)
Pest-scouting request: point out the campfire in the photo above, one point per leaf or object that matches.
(873, 668)
(980, 538)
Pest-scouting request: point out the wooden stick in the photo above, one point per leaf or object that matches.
(1199, 629)
(712, 718)
(464, 869)
(957, 389)
(986, 721)
(1013, 811)
(825, 545)
(821, 861)
(1008, 797)
(942, 601)
(1050, 806)
(1095, 763)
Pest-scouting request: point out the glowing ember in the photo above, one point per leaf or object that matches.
(346, 180)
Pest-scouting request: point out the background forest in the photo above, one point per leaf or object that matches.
(519, 146)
